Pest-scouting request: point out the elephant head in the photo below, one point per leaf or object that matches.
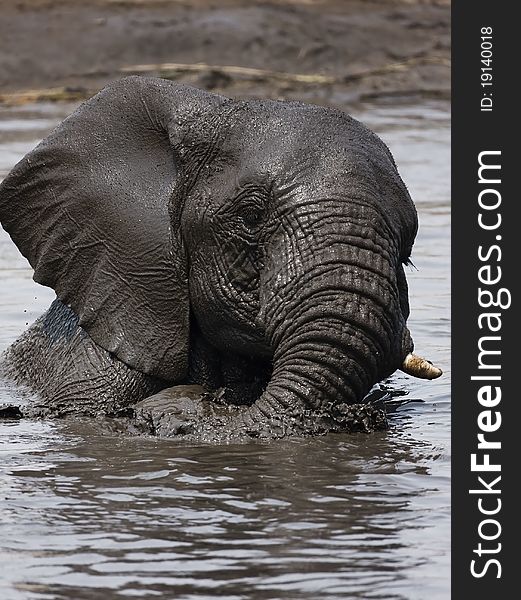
(278, 229)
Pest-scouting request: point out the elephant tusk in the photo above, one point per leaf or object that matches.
(420, 367)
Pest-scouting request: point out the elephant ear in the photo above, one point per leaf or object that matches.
(89, 209)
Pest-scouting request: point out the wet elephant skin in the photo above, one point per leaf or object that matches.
(254, 248)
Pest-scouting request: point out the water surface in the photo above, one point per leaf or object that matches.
(89, 514)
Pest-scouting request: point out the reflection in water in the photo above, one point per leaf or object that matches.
(297, 516)
(87, 513)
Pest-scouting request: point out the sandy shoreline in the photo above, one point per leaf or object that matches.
(326, 51)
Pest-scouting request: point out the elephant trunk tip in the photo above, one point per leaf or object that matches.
(420, 367)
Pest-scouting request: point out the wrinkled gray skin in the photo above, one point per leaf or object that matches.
(254, 248)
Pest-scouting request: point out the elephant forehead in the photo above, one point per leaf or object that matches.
(281, 129)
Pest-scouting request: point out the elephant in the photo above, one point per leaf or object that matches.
(254, 249)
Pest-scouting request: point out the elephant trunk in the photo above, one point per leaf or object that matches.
(334, 307)
(337, 331)
(318, 378)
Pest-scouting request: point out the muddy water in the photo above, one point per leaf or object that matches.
(86, 514)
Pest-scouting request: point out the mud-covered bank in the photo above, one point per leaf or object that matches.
(325, 51)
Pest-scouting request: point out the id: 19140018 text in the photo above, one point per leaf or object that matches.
(486, 69)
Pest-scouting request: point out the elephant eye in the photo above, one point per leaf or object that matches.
(252, 216)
